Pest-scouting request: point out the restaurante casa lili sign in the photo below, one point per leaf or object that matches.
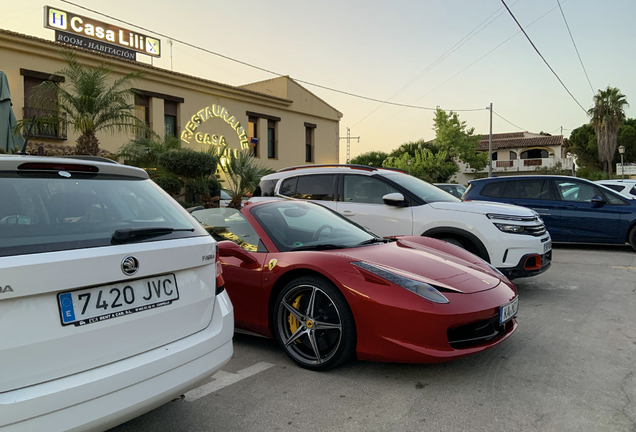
(190, 132)
(94, 35)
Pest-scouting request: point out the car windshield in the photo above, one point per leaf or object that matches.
(47, 213)
(229, 224)
(422, 189)
(293, 225)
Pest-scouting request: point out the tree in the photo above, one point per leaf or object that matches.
(608, 114)
(436, 161)
(413, 146)
(425, 165)
(627, 137)
(87, 103)
(457, 140)
(145, 151)
(583, 144)
(243, 173)
(372, 158)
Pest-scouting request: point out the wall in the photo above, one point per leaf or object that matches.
(280, 97)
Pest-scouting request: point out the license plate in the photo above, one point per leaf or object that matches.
(508, 311)
(92, 305)
(547, 246)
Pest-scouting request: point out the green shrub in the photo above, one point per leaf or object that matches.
(188, 163)
(172, 185)
(591, 174)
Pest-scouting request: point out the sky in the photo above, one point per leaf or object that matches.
(455, 54)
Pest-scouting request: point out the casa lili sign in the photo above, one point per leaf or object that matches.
(190, 132)
(80, 30)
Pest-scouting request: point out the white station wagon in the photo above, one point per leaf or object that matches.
(111, 297)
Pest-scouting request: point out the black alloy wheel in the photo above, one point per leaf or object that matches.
(314, 324)
(632, 238)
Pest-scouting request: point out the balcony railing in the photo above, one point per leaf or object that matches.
(522, 165)
(54, 129)
(507, 163)
(532, 162)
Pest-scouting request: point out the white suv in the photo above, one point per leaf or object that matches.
(389, 202)
(111, 298)
(626, 187)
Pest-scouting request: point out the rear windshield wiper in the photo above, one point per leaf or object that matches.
(126, 235)
(319, 247)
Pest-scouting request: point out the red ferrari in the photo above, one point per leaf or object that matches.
(326, 288)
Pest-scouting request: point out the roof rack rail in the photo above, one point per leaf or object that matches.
(91, 158)
(354, 166)
(395, 169)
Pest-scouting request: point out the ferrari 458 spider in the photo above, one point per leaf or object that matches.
(326, 288)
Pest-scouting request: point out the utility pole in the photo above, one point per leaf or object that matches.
(490, 145)
(561, 130)
(170, 42)
(349, 138)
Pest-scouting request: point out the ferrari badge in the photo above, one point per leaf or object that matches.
(272, 264)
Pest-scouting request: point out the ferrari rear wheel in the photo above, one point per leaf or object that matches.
(314, 324)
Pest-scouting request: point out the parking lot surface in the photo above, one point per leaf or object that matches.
(569, 367)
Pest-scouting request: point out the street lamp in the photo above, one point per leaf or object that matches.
(621, 150)
(408, 162)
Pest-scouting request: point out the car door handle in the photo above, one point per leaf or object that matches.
(347, 213)
(569, 207)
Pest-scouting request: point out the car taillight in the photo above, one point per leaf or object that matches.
(247, 203)
(220, 283)
(47, 166)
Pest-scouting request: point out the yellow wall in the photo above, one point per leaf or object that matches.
(280, 97)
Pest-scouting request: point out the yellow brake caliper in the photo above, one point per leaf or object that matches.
(293, 322)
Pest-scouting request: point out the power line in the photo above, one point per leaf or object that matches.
(509, 122)
(258, 67)
(542, 58)
(383, 101)
(474, 62)
(575, 48)
(444, 56)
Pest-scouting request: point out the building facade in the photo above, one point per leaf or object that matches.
(519, 153)
(279, 121)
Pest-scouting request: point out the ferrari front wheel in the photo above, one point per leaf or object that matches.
(314, 324)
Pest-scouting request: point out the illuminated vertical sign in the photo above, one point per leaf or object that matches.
(84, 27)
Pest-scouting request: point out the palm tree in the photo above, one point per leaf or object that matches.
(144, 151)
(243, 173)
(608, 114)
(88, 103)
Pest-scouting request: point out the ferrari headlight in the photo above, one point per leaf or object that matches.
(515, 229)
(422, 289)
(495, 269)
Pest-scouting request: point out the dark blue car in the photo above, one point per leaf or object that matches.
(573, 209)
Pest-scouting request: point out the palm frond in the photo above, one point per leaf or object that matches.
(243, 173)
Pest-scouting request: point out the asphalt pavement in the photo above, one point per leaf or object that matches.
(571, 366)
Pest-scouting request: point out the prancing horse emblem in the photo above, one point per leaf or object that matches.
(272, 264)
